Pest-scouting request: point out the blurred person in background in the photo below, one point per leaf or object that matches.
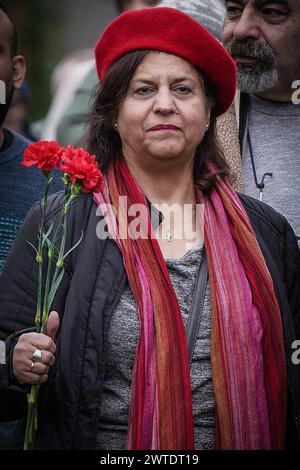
(12, 145)
(209, 13)
(16, 117)
(66, 77)
(262, 37)
(19, 187)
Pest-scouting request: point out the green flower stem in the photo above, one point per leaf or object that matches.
(39, 295)
(63, 224)
(31, 424)
(46, 293)
(39, 257)
(43, 303)
(65, 209)
(32, 396)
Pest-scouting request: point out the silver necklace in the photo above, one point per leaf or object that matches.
(170, 233)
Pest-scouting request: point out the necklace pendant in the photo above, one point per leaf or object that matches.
(170, 237)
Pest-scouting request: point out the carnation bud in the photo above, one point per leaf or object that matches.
(60, 263)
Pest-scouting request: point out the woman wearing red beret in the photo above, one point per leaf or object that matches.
(177, 327)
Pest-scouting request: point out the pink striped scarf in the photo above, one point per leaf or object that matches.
(247, 352)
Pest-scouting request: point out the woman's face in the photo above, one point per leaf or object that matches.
(164, 114)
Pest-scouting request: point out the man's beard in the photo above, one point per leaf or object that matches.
(257, 77)
(5, 107)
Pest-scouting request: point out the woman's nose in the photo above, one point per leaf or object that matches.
(164, 103)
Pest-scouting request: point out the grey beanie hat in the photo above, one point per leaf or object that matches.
(209, 13)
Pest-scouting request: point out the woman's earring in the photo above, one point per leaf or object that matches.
(116, 125)
(207, 125)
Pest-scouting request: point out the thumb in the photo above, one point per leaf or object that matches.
(52, 324)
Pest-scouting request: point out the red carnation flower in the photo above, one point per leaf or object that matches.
(44, 155)
(82, 167)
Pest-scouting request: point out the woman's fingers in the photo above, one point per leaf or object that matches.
(33, 355)
(52, 324)
(38, 368)
(29, 378)
(39, 341)
(47, 358)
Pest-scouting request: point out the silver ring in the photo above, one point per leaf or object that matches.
(37, 355)
(32, 366)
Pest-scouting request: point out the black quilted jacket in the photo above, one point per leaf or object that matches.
(70, 401)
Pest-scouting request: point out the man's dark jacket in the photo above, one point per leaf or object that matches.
(69, 406)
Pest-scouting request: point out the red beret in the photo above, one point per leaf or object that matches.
(172, 31)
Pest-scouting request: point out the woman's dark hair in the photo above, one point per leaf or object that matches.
(102, 139)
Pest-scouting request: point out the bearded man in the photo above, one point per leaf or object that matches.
(263, 37)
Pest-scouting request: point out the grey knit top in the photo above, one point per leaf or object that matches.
(121, 338)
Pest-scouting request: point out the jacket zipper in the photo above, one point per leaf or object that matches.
(116, 300)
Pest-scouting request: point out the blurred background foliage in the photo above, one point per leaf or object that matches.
(48, 30)
(39, 26)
